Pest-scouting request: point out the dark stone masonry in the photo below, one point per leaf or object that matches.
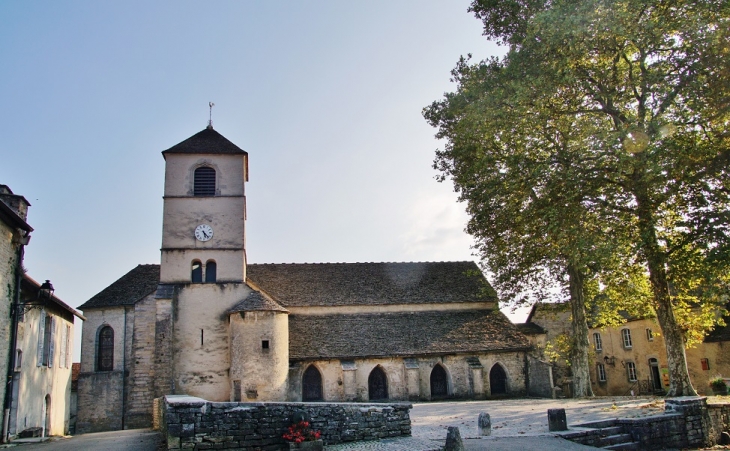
(193, 423)
(688, 422)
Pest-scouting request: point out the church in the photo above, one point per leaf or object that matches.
(206, 323)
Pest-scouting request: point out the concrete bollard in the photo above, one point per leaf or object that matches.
(453, 440)
(484, 424)
(556, 420)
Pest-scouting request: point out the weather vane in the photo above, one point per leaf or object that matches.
(210, 117)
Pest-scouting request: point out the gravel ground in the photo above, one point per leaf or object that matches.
(528, 417)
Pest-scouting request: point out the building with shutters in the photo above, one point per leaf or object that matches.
(36, 335)
(206, 323)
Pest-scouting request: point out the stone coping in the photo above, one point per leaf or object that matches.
(192, 401)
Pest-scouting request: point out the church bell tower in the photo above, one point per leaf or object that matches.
(203, 228)
(203, 264)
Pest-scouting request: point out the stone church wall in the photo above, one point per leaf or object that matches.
(100, 401)
(141, 383)
(201, 336)
(259, 373)
(101, 394)
(409, 379)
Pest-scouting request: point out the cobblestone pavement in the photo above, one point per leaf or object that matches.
(392, 444)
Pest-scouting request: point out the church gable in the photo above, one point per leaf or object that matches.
(362, 284)
(402, 334)
(128, 289)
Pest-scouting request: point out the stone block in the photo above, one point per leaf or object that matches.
(453, 440)
(484, 424)
(557, 420)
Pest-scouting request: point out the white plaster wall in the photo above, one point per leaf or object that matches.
(95, 319)
(203, 370)
(261, 371)
(36, 382)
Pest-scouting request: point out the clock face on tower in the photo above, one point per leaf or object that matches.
(203, 232)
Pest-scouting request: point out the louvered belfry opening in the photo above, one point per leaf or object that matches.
(204, 184)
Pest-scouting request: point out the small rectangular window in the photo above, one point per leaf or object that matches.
(649, 335)
(631, 371)
(626, 335)
(601, 372)
(705, 364)
(597, 341)
(265, 345)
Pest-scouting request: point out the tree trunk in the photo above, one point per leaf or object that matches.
(679, 381)
(580, 345)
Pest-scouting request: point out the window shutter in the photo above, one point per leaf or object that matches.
(41, 336)
(62, 354)
(68, 346)
(52, 342)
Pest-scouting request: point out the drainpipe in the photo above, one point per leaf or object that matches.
(124, 366)
(13, 343)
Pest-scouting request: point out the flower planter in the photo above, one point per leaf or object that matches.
(312, 445)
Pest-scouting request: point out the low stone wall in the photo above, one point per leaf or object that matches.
(720, 418)
(193, 423)
(689, 422)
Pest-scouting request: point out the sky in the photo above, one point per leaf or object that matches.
(325, 96)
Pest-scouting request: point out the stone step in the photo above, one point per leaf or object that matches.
(614, 440)
(613, 430)
(631, 446)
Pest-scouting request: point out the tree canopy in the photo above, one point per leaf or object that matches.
(598, 149)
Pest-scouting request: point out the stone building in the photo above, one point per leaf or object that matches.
(41, 395)
(630, 357)
(208, 324)
(36, 335)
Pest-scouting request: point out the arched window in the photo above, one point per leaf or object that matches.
(105, 349)
(377, 384)
(312, 385)
(210, 271)
(498, 380)
(439, 382)
(196, 272)
(204, 184)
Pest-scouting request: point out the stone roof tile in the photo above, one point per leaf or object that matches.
(130, 288)
(256, 301)
(343, 284)
(401, 334)
(207, 141)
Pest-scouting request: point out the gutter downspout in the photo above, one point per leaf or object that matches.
(7, 403)
(124, 367)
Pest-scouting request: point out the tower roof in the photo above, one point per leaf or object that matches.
(207, 141)
(257, 301)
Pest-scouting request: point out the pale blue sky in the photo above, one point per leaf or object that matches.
(326, 96)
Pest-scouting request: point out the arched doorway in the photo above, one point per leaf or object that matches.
(498, 380)
(377, 384)
(47, 416)
(439, 382)
(656, 378)
(312, 385)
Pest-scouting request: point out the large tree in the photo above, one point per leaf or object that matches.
(627, 103)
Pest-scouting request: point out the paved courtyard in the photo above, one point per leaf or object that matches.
(516, 424)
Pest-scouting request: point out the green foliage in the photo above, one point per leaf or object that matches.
(559, 350)
(599, 143)
(718, 383)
